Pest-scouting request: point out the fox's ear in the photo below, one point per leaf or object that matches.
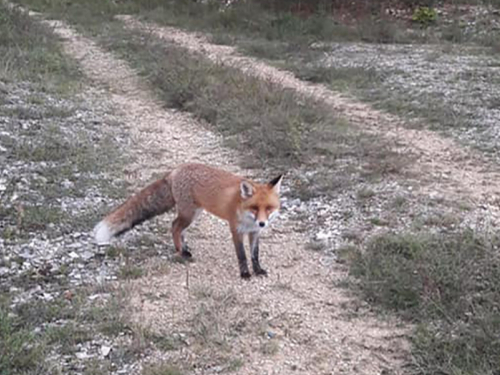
(246, 189)
(275, 183)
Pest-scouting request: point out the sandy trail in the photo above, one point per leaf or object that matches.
(442, 165)
(295, 319)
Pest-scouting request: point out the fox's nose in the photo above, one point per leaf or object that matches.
(262, 224)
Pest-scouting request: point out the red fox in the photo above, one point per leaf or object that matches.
(247, 206)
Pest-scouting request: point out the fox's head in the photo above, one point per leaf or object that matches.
(260, 204)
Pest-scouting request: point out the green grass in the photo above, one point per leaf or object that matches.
(449, 286)
(28, 51)
(20, 353)
(61, 326)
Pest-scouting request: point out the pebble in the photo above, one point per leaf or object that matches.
(105, 350)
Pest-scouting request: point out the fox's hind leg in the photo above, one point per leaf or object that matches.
(181, 223)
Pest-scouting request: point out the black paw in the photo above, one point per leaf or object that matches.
(260, 271)
(186, 254)
(245, 274)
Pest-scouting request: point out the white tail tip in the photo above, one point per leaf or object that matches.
(102, 233)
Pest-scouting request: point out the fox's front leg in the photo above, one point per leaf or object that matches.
(240, 253)
(254, 248)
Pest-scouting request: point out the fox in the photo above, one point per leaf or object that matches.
(247, 206)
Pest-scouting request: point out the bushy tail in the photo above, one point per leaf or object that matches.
(153, 200)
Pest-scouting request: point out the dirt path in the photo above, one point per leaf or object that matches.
(443, 165)
(296, 319)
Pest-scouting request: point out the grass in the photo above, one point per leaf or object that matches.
(269, 348)
(288, 40)
(53, 159)
(244, 19)
(161, 369)
(30, 52)
(448, 285)
(277, 129)
(130, 271)
(19, 351)
(365, 193)
(35, 329)
(340, 78)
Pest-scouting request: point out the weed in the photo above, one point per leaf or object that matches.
(345, 253)
(130, 272)
(234, 365)
(317, 245)
(399, 202)
(210, 325)
(37, 312)
(270, 348)
(38, 218)
(114, 252)
(424, 15)
(97, 367)
(441, 220)
(379, 222)
(365, 193)
(164, 342)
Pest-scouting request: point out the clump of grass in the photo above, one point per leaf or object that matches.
(161, 369)
(20, 353)
(115, 252)
(67, 336)
(449, 285)
(365, 193)
(234, 364)
(130, 271)
(342, 78)
(269, 348)
(38, 218)
(210, 326)
(37, 312)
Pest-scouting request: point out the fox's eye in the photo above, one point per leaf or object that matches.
(254, 208)
(269, 208)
